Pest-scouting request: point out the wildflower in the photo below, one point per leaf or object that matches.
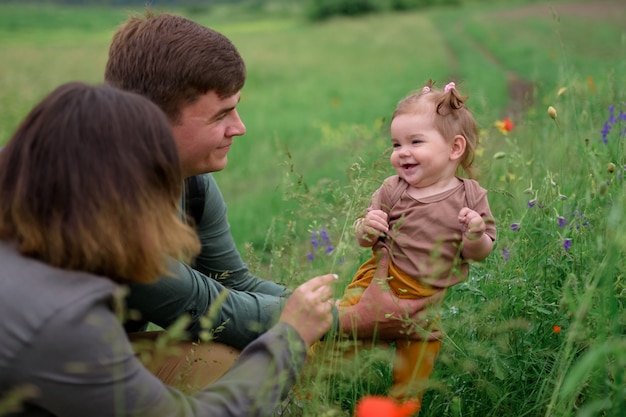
(562, 91)
(505, 125)
(515, 227)
(505, 254)
(531, 203)
(326, 238)
(567, 244)
(314, 240)
(377, 406)
(320, 240)
(562, 222)
(552, 112)
(611, 167)
(610, 121)
(556, 329)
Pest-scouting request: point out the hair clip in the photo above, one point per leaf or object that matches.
(426, 89)
(449, 86)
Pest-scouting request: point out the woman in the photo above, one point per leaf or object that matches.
(89, 188)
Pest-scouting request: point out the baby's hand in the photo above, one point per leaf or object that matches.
(375, 223)
(473, 224)
(371, 227)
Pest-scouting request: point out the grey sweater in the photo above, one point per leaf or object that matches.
(59, 335)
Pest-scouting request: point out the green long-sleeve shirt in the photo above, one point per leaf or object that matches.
(252, 305)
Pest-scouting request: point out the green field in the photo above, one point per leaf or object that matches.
(316, 105)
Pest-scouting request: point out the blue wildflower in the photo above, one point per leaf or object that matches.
(567, 244)
(515, 227)
(606, 129)
(505, 254)
(319, 240)
(608, 124)
(611, 118)
(532, 203)
(324, 235)
(561, 221)
(314, 240)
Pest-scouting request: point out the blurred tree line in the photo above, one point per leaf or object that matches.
(159, 3)
(315, 9)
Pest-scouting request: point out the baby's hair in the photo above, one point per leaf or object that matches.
(452, 117)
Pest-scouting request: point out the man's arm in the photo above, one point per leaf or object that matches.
(380, 314)
(241, 316)
(219, 258)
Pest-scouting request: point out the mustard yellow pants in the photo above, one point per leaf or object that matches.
(414, 360)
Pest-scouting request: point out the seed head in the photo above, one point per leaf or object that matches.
(552, 112)
(611, 167)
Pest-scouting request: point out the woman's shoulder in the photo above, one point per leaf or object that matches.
(32, 292)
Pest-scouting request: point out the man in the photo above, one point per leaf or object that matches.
(195, 75)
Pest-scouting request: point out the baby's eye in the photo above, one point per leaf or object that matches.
(395, 145)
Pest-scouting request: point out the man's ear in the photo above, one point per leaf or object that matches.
(458, 147)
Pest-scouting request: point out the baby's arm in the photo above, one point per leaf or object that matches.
(369, 228)
(476, 244)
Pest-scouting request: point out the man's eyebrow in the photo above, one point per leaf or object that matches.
(222, 112)
(227, 109)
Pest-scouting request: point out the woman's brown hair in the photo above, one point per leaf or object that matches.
(91, 181)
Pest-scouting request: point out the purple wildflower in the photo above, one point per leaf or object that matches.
(567, 244)
(320, 239)
(561, 221)
(314, 240)
(606, 129)
(309, 256)
(608, 124)
(532, 203)
(515, 227)
(505, 254)
(611, 118)
(324, 235)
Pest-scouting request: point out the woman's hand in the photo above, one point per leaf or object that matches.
(309, 308)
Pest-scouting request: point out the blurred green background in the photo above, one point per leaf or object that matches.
(538, 328)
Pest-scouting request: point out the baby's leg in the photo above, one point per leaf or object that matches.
(413, 365)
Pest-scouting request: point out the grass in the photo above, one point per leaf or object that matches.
(537, 330)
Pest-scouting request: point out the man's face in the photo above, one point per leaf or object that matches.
(205, 132)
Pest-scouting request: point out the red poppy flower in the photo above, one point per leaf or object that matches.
(376, 406)
(505, 125)
(556, 329)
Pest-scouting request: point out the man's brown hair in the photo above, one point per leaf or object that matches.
(172, 61)
(91, 181)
